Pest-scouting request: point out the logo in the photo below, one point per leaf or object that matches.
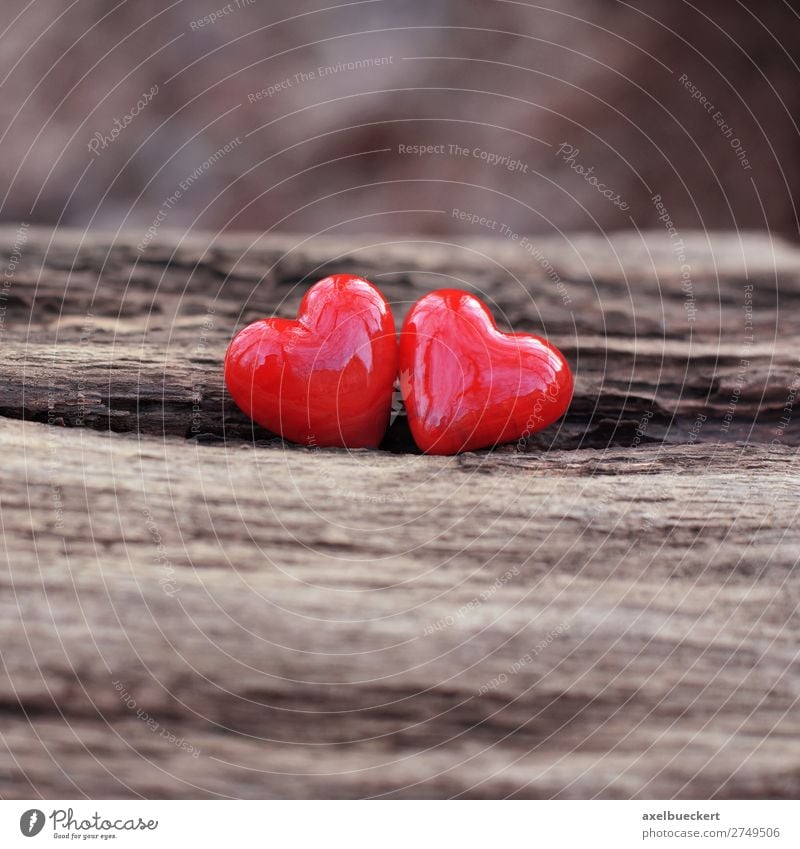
(31, 822)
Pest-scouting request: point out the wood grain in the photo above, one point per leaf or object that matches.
(194, 609)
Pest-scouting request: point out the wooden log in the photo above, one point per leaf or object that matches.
(609, 612)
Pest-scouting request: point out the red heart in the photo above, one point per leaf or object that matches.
(467, 385)
(325, 379)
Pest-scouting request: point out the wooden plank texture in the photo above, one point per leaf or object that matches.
(192, 608)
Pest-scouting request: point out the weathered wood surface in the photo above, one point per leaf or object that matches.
(611, 612)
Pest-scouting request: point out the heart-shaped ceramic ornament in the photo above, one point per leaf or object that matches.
(467, 385)
(325, 378)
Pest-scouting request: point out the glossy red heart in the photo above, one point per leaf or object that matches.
(468, 385)
(326, 378)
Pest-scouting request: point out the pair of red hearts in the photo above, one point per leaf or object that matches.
(326, 379)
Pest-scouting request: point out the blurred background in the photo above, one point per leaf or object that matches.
(307, 117)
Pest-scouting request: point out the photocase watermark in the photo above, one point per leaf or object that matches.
(694, 433)
(168, 579)
(198, 387)
(524, 242)
(749, 336)
(166, 207)
(318, 73)
(223, 12)
(570, 155)
(70, 826)
(526, 659)
(32, 822)
(101, 141)
(730, 412)
(80, 386)
(787, 411)
(212, 160)
(54, 456)
(536, 420)
(477, 219)
(20, 238)
(641, 428)
(744, 362)
(172, 201)
(719, 119)
(450, 620)
(496, 160)
(679, 249)
(130, 702)
(535, 252)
